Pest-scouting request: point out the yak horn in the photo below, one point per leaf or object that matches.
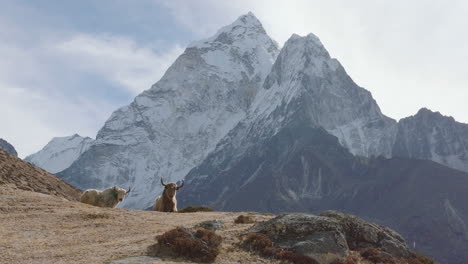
(162, 182)
(129, 189)
(180, 186)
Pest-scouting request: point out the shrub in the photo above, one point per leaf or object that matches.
(350, 259)
(256, 242)
(243, 219)
(199, 245)
(264, 246)
(193, 209)
(417, 258)
(377, 256)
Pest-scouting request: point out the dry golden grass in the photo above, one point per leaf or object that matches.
(26, 176)
(39, 228)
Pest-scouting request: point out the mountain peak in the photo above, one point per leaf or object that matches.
(60, 152)
(249, 19)
(301, 55)
(427, 113)
(245, 26)
(307, 44)
(425, 110)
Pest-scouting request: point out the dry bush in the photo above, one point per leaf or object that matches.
(193, 209)
(264, 246)
(375, 255)
(256, 242)
(96, 216)
(417, 258)
(294, 257)
(199, 245)
(350, 259)
(244, 219)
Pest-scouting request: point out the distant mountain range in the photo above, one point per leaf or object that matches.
(252, 126)
(60, 153)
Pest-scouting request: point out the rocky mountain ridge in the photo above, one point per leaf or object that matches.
(8, 147)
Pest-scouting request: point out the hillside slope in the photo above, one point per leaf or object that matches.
(25, 176)
(39, 228)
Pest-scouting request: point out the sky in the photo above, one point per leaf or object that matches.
(65, 66)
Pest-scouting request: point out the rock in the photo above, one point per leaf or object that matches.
(212, 224)
(328, 237)
(324, 247)
(361, 234)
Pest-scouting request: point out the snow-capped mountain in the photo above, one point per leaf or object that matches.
(307, 79)
(60, 153)
(245, 122)
(430, 135)
(294, 152)
(8, 147)
(306, 88)
(170, 128)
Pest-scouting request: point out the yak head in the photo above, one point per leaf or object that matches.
(170, 189)
(120, 193)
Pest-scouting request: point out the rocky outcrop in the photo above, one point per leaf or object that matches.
(8, 147)
(330, 236)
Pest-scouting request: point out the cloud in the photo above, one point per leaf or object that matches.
(119, 59)
(71, 84)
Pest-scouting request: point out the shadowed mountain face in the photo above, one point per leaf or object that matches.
(305, 169)
(8, 147)
(430, 135)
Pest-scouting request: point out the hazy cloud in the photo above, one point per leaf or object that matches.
(118, 59)
(59, 87)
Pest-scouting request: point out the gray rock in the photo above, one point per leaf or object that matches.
(329, 236)
(362, 234)
(212, 224)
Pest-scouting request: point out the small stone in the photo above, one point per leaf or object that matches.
(212, 225)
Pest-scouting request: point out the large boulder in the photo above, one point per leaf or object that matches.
(330, 236)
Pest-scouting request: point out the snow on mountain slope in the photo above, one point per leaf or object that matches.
(60, 153)
(305, 88)
(170, 128)
(306, 80)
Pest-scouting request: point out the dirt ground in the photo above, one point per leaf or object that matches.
(40, 228)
